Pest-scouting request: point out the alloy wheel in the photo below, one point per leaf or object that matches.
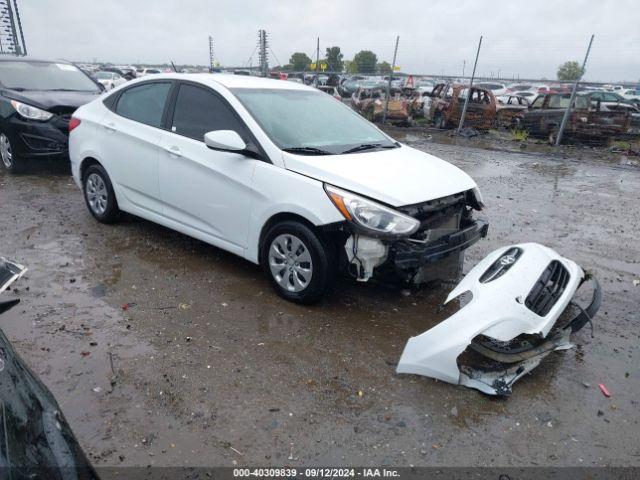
(97, 194)
(290, 262)
(5, 151)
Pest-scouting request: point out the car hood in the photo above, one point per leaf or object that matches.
(397, 177)
(51, 100)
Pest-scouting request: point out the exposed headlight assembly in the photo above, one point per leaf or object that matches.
(371, 216)
(31, 113)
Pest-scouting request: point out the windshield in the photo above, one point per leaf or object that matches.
(309, 119)
(104, 75)
(45, 76)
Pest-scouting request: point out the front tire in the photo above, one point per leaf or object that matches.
(300, 264)
(99, 195)
(10, 161)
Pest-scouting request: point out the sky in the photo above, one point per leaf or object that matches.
(520, 39)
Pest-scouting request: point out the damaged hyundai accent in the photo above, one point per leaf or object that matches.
(278, 173)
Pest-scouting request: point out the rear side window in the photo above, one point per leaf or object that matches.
(144, 103)
(199, 111)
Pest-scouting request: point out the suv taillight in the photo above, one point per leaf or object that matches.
(73, 123)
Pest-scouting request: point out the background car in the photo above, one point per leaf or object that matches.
(128, 73)
(109, 79)
(333, 91)
(496, 88)
(149, 71)
(36, 103)
(632, 95)
(529, 95)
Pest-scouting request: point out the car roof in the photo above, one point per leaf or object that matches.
(231, 81)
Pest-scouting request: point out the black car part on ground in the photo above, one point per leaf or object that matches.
(35, 439)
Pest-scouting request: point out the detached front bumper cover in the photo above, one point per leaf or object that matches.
(511, 323)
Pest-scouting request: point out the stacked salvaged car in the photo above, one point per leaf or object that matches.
(595, 118)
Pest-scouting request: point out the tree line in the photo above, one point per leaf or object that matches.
(365, 61)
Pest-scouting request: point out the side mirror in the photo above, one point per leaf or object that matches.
(227, 140)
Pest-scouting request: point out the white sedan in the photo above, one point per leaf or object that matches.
(633, 95)
(276, 172)
(109, 80)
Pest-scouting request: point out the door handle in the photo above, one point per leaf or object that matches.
(110, 126)
(173, 151)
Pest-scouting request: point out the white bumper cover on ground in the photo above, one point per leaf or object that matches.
(498, 310)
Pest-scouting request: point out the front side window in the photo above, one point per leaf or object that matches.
(144, 103)
(199, 111)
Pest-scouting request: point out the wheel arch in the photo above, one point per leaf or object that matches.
(86, 163)
(282, 217)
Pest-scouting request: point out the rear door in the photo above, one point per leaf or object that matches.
(130, 144)
(208, 191)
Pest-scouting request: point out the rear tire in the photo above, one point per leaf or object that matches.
(553, 136)
(99, 195)
(300, 264)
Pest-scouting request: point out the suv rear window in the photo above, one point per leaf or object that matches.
(144, 103)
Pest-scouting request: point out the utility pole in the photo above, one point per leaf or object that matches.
(11, 34)
(211, 57)
(466, 101)
(464, 64)
(315, 80)
(263, 56)
(573, 96)
(393, 67)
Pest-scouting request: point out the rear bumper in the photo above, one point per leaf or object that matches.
(408, 255)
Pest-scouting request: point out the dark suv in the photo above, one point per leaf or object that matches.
(37, 98)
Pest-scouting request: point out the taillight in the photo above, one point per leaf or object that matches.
(73, 123)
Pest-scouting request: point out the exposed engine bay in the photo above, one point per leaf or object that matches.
(434, 251)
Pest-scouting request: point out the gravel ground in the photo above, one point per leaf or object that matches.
(212, 368)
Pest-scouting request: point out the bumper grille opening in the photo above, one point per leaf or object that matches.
(548, 289)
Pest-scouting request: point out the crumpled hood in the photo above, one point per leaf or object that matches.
(52, 101)
(397, 176)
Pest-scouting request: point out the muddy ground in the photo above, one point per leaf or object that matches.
(212, 368)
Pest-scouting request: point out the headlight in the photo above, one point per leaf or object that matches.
(371, 215)
(31, 113)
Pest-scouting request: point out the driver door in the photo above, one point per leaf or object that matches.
(207, 192)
